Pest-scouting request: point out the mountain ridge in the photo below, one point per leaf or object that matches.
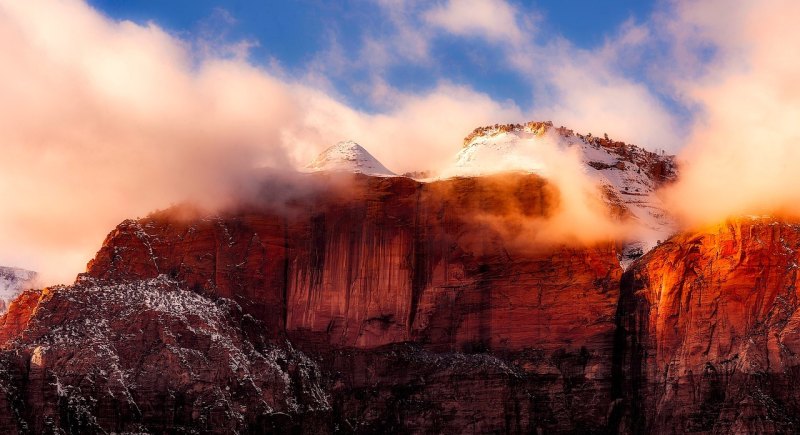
(628, 176)
(388, 304)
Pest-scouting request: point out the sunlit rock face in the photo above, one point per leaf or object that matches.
(390, 305)
(19, 312)
(710, 331)
(419, 254)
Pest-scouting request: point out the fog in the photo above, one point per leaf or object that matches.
(743, 155)
(102, 120)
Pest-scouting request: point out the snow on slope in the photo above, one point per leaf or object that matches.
(628, 173)
(348, 156)
(12, 282)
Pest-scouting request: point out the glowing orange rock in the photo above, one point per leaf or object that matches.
(713, 330)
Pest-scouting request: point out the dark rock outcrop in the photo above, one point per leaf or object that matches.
(148, 356)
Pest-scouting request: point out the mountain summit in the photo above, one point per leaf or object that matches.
(628, 175)
(348, 156)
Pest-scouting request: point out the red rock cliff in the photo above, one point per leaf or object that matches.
(387, 305)
(425, 306)
(391, 260)
(710, 331)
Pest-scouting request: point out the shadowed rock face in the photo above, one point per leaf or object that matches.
(388, 305)
(710, 331)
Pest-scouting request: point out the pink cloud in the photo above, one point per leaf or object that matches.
(743, 154)
(103, 120)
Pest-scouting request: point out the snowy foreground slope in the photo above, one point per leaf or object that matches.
(12, 281)
(145, 356)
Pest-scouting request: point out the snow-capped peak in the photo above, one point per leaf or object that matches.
(348, 156)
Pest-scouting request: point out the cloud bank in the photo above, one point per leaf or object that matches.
(740, 67)
(101, 120)
(495, 20)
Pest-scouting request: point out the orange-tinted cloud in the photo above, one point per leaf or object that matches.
(743, 155)
(102, 120)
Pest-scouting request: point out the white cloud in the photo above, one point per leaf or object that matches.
(744, 149)
(585, 89)
(103, 120)
(494, 20)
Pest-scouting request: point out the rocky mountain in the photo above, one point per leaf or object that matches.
(414, 319)
(146, 356)
(378, 304)
(12, 281)
(627, 176)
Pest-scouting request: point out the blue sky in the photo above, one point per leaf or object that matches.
(297, 34)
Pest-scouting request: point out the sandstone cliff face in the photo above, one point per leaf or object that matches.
(397, 306)
(16, 318)
(392, 260)
(394, 305)
(710, 331)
